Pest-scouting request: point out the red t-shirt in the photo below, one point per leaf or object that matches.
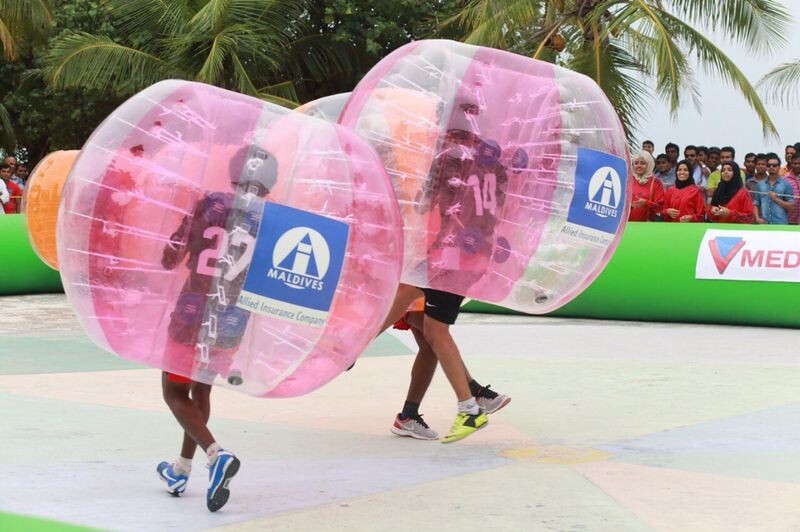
(653, 193)
(688, 200)
(16, 197)
(741, 207)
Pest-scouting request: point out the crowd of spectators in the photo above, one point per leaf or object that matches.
(709, 185)
(706, 185)
(13, 177)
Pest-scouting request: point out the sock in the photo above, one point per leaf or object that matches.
(183, 466)
(470, 406)
(212, 451)
(474, 387)
(410, 408)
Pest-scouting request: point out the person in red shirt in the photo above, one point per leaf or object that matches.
(15, 193)
(731, 202)
(648, 192)
(684, 202)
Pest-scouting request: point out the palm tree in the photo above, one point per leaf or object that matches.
(20, 20)
(623, 43)
(782, 84)
(256, 47)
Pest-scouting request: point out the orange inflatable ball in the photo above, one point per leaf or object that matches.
(40, 202)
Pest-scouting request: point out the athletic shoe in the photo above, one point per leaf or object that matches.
(464, 425)
(414, 427)
(490, 401)
(176, 482)
(219, 475)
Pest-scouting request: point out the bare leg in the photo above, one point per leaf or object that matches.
(191, 412)
(416, 319)
(423, 369)
(438, 337)
(201, 398)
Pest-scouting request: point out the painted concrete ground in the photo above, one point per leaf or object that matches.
(613, 426)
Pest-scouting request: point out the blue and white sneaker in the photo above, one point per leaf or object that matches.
(219, 475)
(176, 482)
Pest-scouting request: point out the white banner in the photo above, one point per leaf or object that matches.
(749, 256)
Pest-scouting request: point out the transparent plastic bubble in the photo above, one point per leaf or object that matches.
(327, 108)
(229, 240)
(511, 173)
(40, 202)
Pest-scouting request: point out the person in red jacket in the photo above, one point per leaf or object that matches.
(15, 193)
(731, 202)
(684, 202)
(648, 192)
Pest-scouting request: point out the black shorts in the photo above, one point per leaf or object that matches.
(442, 306)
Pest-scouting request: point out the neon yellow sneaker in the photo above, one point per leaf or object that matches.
(464, 425)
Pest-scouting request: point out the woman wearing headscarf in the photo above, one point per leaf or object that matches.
(648, 192)
(684, 202)
(731, 202)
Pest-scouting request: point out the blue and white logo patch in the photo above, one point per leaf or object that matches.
(599, 198)
(296, 265)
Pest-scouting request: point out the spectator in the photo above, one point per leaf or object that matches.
(793, 178)
(749, 166)
(648, 146)
(20, 176)
(15, 193)
(726, 154)
(701, 170)
(672, 150)
(685, 202)
(690, 154)
(759, 173)
(665, 172)
(773, 199)
(789, 152)
(647, 191)
(4, 196)
(730, 203)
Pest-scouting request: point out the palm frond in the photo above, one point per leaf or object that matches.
(714, 61)
(319, 58)
(211, 16)
(213, 68)
(31, 14)
(759, 24)
(782, 84)
(8, 138)
(97, 62)
(241, 79)
(7, 42)
(283, 93)
(494, 22)
(614, 68)
(20, 20)
(166, 17)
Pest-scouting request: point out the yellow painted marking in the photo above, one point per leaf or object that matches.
(553, 454)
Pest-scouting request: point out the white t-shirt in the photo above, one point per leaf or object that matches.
(4, 195)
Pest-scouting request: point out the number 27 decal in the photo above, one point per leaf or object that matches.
(207, 261)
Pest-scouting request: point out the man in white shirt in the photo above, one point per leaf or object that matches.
(4, 196)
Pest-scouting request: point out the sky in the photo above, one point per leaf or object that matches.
(725, 117)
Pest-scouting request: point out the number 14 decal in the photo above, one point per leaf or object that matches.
(223, 240)
(485, 199)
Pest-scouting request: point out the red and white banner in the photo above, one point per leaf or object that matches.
(749, 256)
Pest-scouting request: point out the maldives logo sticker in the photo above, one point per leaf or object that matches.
(724, 249)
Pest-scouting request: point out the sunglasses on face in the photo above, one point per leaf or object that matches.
(773, 165)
